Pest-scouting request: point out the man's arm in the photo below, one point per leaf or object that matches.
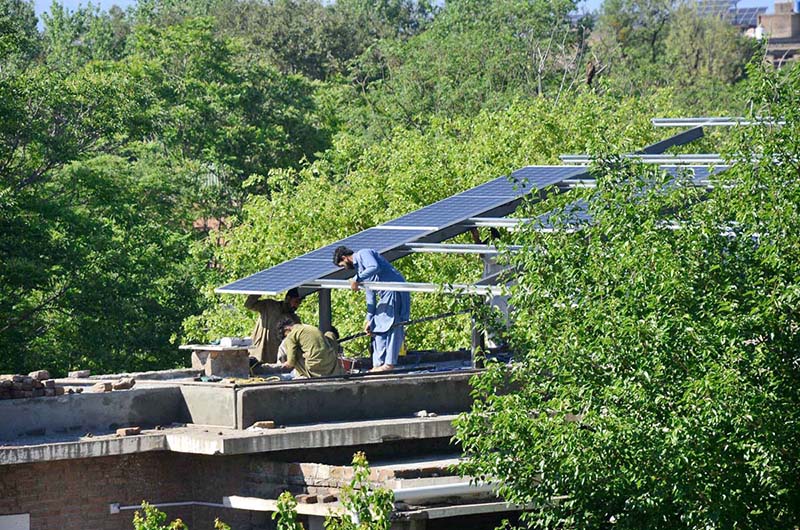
(370, 296)
(291, 350)
(252, 302)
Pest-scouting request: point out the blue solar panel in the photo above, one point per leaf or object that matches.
(747, 16)
(449, 212)
(408, 228)
(523, 181)
(486, 197)
(377, 238)
(318, 263)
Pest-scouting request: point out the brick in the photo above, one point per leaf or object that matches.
(38, 392)
(50, 392)
(129, 431)
(125, 383)
(264, 424)
(326, 498)
(49, 383)
(101, 387)
(306, 499)
(59, 390)
(40, 375)
(79, 374)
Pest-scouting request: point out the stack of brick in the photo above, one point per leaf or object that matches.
(35, 384)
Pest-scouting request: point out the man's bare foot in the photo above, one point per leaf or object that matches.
(383, 368)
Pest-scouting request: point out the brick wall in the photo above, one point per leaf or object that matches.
(75, 494)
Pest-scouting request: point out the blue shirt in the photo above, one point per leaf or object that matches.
(391, 307)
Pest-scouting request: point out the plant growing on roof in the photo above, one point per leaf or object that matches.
(286, 515)
(153, 519)
(367, 508)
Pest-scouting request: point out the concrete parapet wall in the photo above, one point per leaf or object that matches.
(83, 413)
(209, 405)
(353, 400)
(226, 406)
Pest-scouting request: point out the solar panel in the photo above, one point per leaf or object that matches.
(408, 228)
(486, 197)
(715, 8)
(747, 17)
(318, 263)
(523, 181)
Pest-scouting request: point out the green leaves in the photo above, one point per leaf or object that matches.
(658, 370)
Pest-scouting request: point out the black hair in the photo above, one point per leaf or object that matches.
(335, 332)
(293, 293)
(339, 253)
(286, 321)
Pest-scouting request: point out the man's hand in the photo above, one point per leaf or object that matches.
(366, 329)
(354, 285)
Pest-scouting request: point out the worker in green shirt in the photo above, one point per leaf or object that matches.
(309, 353)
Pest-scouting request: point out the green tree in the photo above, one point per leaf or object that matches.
(73, 38)
(705, 51)
(474, 55)
(96, 266)
(286, 514)
(225, 121)
(19, 38)
(656, 383)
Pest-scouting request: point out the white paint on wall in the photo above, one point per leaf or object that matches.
(15, 522)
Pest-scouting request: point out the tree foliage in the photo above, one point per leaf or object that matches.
(659, 380)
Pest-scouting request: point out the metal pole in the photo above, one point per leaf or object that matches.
(325, 312)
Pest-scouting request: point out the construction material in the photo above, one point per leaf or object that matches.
(125, 383)
(36, 384)
(221, 361)
(129, 431)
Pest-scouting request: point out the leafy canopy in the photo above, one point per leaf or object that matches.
(659, 376)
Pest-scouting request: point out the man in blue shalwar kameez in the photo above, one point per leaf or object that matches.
(385, 311)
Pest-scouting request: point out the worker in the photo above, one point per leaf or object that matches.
(309, 353)
(385, 313)
(332, 337)
(266, 334)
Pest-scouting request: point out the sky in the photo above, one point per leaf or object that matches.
(586, 5)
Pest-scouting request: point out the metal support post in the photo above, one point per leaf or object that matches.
(325, 312)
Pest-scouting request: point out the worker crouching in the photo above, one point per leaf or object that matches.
(309, 353)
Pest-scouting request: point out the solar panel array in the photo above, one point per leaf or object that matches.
(406, 229)
(431, 219)
(715, 8)
(747, 17)
(576, 214)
